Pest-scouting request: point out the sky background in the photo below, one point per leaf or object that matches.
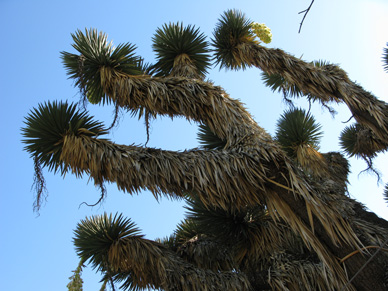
(36, 252)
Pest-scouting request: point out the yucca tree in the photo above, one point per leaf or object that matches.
(235, 48)
(251, 207)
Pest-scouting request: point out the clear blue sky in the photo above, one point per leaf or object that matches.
(37, 252)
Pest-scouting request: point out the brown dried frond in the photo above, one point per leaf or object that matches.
(251, 170)
(153, 265)
(311, 160)
(328, 83)
(184, 67)
(338, 167)
(207, 254)
(219, 178)
(288, 272)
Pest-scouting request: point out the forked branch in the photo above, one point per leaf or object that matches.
(306, 11)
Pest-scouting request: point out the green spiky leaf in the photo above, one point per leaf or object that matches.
(208, 139)
(385, 193)
(278, 83)
(232, 30)
(348, 139)
(174, 40)
(358, 141)
(225, 226)
(385, 58)
(186, 229)
(96, 52)
(47, 125)
(95, 235)
(297, 127)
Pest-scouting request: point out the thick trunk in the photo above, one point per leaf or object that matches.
(373, 274)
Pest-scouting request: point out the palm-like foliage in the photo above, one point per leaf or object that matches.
(49, 123)
(277, 83)
(114, 246)
(251, 242)
(296, 128)
(236, 229)
(208, 139)
(95, 236)
(46, 127)
(385, 58)
(359, 141)
(298, 133)
(185, 230)
(96, 56)
(177, 46)
(235, 49)
(355, 141)
(232, 30)
(199, 248)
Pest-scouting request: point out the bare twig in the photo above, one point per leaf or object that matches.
(305, 14)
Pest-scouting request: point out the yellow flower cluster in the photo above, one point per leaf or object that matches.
(262, 31)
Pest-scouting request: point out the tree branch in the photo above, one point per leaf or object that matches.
(328, 83)
(222, 179)
(306, 11)
(191, 98)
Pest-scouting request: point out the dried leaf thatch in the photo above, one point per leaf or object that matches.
(328, 83)
(252, 163)
(310, 216)
(115, 246)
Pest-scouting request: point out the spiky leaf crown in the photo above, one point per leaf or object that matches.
(385, 58)
(47, 125)
(95, 235)
(95, 52)
(174, 40)
(297, 127)
(359, 141)
(232, 30)
(208, 139)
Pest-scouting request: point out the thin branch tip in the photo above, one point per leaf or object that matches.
(306, 11)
